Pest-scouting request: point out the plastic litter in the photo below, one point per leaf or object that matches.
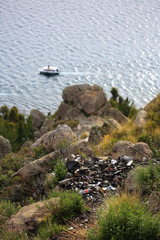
(85, 191)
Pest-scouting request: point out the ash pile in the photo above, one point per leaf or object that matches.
(96, 177)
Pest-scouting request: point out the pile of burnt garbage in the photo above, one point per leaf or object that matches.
(96, 177)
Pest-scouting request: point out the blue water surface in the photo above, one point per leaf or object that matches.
(110, 43)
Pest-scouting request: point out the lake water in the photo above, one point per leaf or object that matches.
(106, 42)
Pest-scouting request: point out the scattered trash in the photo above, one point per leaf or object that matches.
(96, 177)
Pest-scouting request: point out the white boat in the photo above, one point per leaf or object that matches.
(49, 70)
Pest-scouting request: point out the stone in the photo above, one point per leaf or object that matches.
(5, 147)
(69, 112)
(114, 113)
(86, 124)
(141, 118)
(130, 183)
(63, 134)
(136, 151)
(92, 101)
(29, 216)
(154, 202)
(37, 118)
(88, 99)
(72, 165)
(97, 132)
(36, 167)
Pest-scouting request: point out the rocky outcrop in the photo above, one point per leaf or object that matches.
(37, 119)
(82, 99)
(137, 151)
(52, 139)
(153, 105)
(141, 118)
(69, 112)
(41, 165)
(5, 147)
(97, 132)
(30, 216)
(86, 124)
(117, 115)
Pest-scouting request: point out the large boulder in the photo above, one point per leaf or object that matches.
(141, 118)
(88, 99)
(5, 147)
(117, 115)
(30, 216)
(42, 165)
(52, 139)
(69, 112)
(37, 118)
(136, 151)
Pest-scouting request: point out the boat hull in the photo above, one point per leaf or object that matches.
(49, 73)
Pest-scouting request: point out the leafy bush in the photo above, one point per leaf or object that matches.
(7, 209)
(15, 127)
(124, 105)
(60, 171)
(70, 204)
(63, 144)
(5, 235)
(124, 218)
(148, 178)
(152, 138)
(8, 166)
(39, 151)
(47, 229)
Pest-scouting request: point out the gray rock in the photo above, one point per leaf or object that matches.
(136, 151)
(141, 118)
(37, 118)
(117, 115)
(62, 136)
(86, 98)
(5, 147)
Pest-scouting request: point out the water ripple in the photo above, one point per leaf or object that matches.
(111, 43)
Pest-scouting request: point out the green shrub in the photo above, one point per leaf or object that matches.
(48, 229)
(70, 204)
(148, 178)
(153, 141)
(8, 166)
(7, 209)
(124, 218)
(15, 127)
(64, 144)
(60, 171)
(39, 152)
(124, 105)
(5, 235)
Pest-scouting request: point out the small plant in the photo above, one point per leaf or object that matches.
(64, 144)
(124, 105)
(84, 135)
(7, 209)
(148, 178)
(39, 151)
(69, 204)
(48, 229)
(125, 218)
(60, 171)
(5, 235)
